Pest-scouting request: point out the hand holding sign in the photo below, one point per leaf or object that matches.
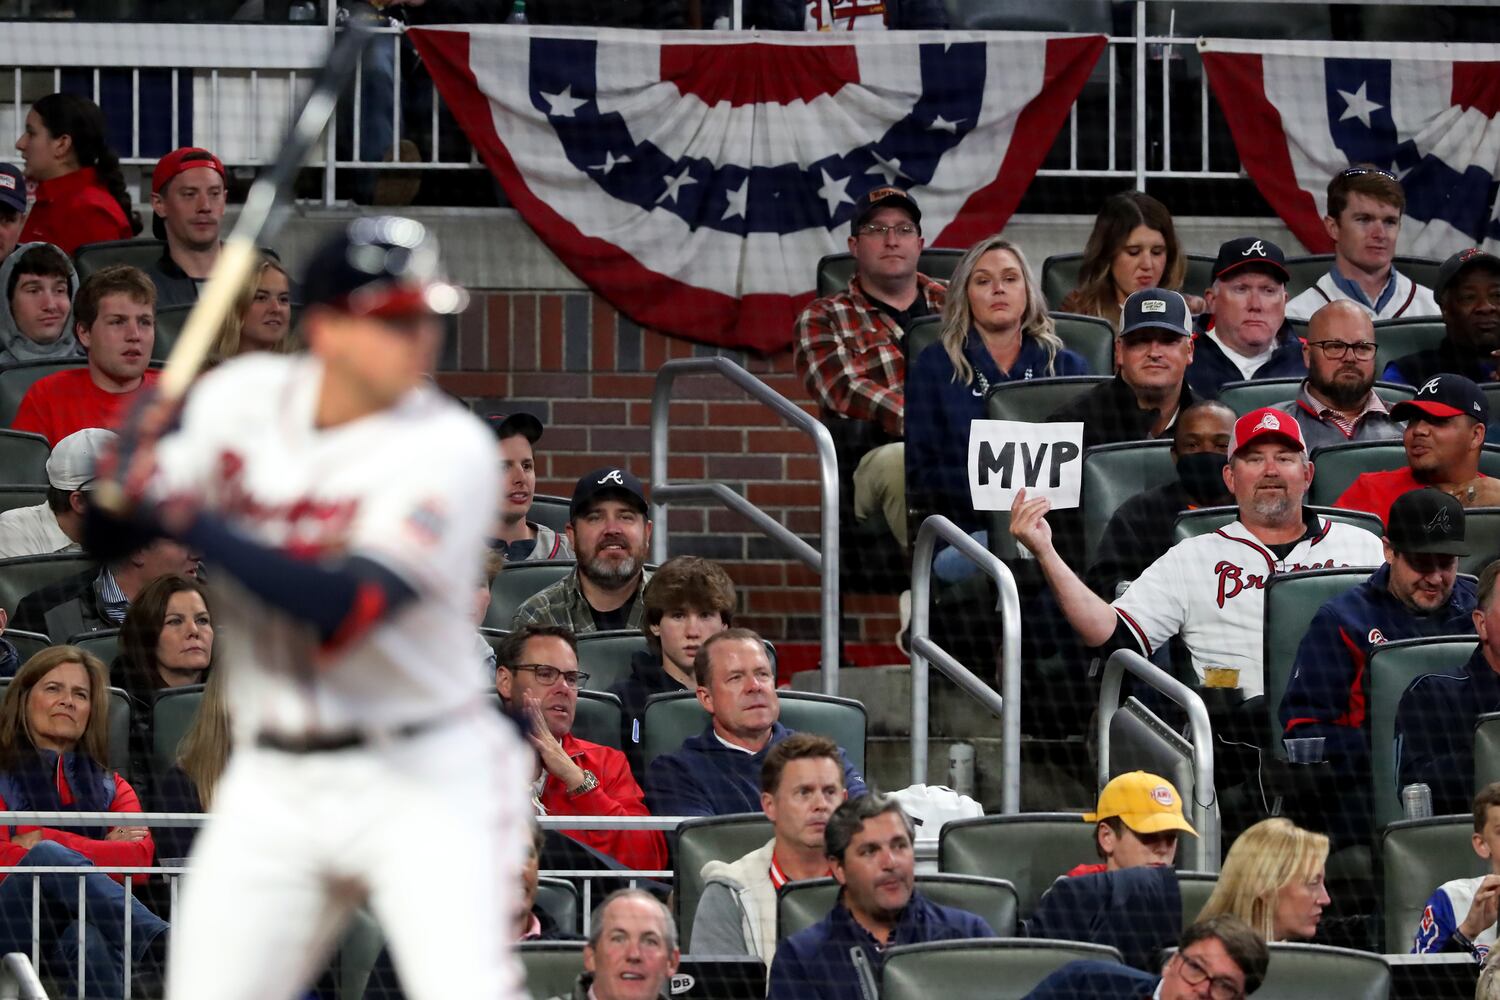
(1009, 456)
(1028, 522)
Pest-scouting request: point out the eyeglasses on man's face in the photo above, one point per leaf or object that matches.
(1337, 350)
(903, 229)
(1194, 973)
(548, 674)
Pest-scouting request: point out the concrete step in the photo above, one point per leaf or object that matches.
(886, 694)
(1054, 773)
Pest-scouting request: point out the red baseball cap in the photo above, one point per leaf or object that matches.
(177, 161)
(1265, 422)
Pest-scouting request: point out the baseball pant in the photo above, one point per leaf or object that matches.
(429, 831)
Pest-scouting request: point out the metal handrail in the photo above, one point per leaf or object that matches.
(13, 817)
(1205, 818)
(1006, 704)
(662, 492)
(18, 980)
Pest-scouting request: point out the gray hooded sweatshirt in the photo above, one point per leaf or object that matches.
(14, 346)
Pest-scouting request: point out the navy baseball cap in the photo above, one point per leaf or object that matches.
(1251, 251)
(381, 266)
(1462, 261)
(12, 187)
(1445, 395)
(510, 424)
(879, 197)
(1426, 521)
(1156, 309)
(608, 481)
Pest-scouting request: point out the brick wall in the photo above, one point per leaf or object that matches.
(588, 373)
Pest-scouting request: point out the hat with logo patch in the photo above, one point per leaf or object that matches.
(1460, 262)
(1145, 802)
(1251, 251)
(1156, 309)
(1445, 395)
(1262, 423)
(1426, 520)
(877, 198)
(12, 187)
(606, 481)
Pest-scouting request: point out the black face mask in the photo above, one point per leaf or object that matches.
(1202, 475)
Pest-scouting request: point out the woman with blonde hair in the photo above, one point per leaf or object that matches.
(190, 784)
(1133, 246)
(1273, 880)
(995, 329)
(261, 319)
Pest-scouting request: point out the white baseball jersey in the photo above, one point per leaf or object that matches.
(412, 487)
(1409, 301)
(1211, 590)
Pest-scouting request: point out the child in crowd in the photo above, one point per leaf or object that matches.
(1478, 898)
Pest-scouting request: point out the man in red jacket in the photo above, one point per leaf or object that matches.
(538, 678)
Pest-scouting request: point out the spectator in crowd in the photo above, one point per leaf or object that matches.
(718, 771)
(1137, 911)
(869, 843)
(1436, 715)
(482, 595)
(1337, 402)
(1217, 957)
(1136, 824)
(1133, 246)
(632, 949)
(166, 642)
(1364, 219)
(98, 599)
(188, 195)
(36, 320)
(1459, 917)
(857, 15)
(1445, 428)
(1140, 532)
(261, 319)
(801, 784)
(538, 679)
(1245, 334)
(1468, 292)
(687, 600)
(517, 538)
(12, 207)
(190, 783)
(656, 14)
(1272, 879)
(610, 532)
(850, 345)
(1148, 393)
(115, 321)
(1209, 589)
(1417, 593)
(56, 525)
(54, 733)
(81, 196)
(995, 329)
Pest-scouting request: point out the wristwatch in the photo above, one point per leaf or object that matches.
(589, 783)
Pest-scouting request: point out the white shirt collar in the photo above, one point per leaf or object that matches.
(732, 746)
(1247, 366)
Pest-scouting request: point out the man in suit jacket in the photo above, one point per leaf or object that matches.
(1221, 953)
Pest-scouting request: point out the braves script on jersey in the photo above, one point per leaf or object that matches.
(409, 487)
(1211, 590)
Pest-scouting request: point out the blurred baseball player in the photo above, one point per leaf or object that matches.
(344, 504)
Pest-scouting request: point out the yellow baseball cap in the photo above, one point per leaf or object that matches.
(1147, 803)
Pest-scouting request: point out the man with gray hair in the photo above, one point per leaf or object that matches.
(632, 949)
(1245, 334)
(869, 845)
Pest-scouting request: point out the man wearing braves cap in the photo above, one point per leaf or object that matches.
(1445, 429)
(1152, 352)
(516, 537)
(850, 351)
(1136, 823)
(1468, 293)
(12, 207)
(188, 198)
(1416, 594)
(609, 530)
(1245, 334)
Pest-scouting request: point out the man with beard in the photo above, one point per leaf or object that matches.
(188, 195)
(1445, 428)
(1338, 403)
(609, 530)
(1468, 292)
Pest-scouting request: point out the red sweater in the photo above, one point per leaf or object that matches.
(75, 209)
(69, 401)
(104, 853)
(616, 795)
(1374, 492)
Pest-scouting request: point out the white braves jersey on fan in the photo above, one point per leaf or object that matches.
(1409, 301)
(1210, 590)
(410, 487)
(845, 15)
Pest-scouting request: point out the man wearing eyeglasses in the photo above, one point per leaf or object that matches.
(538, 679)
(1337, 403)
(1221, 958)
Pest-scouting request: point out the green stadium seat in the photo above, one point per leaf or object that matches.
(23, 574)
(605, 656)
(518, 582)
(1242, 397)
(1392, 668)
(23, 458)
(494, 636)
(1396, 338)
(835, 269)
(552, 967)
(599, 719)
(1486, 748)
(1316, 972)
(988, 969)
(1339, 465)
(1422, 270)
(171, 718)
(1291, 601)
(360, 946)
(559, 899)
(1028, 850)
(1303, 272)
(1482, 532)
(103, 643)
(92, 257)
(27, 644)
(1417, 856)
(799, 905)
(119, 734)
(169, 322)
(1037, 399)
(922, 333)
(1191, 523)
(16, 379)
(1194, 888)
(1089, 336)
(1112, 474)
(705, 839)
(12, 497)
(672, 717)
(549, 511)
(1060, 275)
